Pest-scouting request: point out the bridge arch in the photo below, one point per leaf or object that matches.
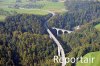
(65, 32)
(60, 32)
(54, 31)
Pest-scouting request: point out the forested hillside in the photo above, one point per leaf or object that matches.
(86, 39)
(26, 49)
(25, 23)
(83, 41)
(78, 14)
(24, 40)
(92, 54)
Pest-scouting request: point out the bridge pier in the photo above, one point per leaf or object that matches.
(57, 32)
(58, 51)
(63, 32)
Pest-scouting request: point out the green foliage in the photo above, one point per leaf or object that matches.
(82, 41)
(21, 46)
(4, 13)
(7, 13)
(74, 17)
(23, 39)
(25, 23)
(25, 49)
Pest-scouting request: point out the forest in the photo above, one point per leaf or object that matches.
(78, 14)
(24, 40)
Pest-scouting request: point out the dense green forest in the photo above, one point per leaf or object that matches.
(25, 42)
(78, 14)
(81, 42)
(25, 23)
(26, 49)
(22, 42)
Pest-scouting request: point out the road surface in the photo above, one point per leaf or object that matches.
(61, 50)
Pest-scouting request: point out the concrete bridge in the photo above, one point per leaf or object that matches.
(61, 31)
(61, 52)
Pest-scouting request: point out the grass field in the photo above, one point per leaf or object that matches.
(24, 11)
(96, 62)
(51, 6)
(2, 17)
(27, 11)
(97, 27)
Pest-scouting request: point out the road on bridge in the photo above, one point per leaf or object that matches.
(55, 40)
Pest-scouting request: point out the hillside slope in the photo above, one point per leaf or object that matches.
(97, 27)
(96, 62)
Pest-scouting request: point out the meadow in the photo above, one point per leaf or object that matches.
(2, 17)
(56, 6)
(97, 27)
(96, 61)
(51, 6)
(23, 11)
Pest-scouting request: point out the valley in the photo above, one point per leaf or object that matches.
(32, 32)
